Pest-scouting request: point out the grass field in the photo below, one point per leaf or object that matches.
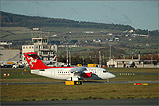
(85, 91)
(50, 92)
(14, 33)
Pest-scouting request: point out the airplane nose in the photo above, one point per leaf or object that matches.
(111, 75)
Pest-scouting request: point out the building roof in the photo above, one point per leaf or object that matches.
(125, 59)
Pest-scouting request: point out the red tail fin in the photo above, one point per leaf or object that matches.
(34, 61)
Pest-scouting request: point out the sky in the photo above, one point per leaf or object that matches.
(139, 14)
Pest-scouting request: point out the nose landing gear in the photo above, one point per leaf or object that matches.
(107, 80)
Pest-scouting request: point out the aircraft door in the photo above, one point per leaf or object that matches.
(99, 72)
(52, 73)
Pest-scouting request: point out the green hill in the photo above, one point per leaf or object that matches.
(16, 20)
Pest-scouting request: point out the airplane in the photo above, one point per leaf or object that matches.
(65, 73)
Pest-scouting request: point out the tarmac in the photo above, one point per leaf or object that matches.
(113, 82)
(106, 102)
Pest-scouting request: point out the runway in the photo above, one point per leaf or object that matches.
(113, 82)
(108, 102)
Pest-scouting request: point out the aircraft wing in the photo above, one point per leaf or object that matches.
(79, 69)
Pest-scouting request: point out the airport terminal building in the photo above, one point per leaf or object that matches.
(10, 55)
(131, 63)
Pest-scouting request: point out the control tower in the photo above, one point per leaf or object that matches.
(42, 48)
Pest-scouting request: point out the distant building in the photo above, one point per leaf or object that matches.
(134, 35)
(41, 47)
(111, 40)
(97, 41)
(89, 32)
(110, 34)
(69, 45)
(5, 44)
(131, 63)
(131, 31)
(28, 48)
(140, 35)
(144, 35)
(126, 35)
(116, 39)
(124, 63)
(36, 29)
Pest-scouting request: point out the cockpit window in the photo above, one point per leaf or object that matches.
(104, 71)
(83, 69)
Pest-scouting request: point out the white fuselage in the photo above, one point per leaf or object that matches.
(67, 74)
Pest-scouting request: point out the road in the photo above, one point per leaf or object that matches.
(108, 102)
